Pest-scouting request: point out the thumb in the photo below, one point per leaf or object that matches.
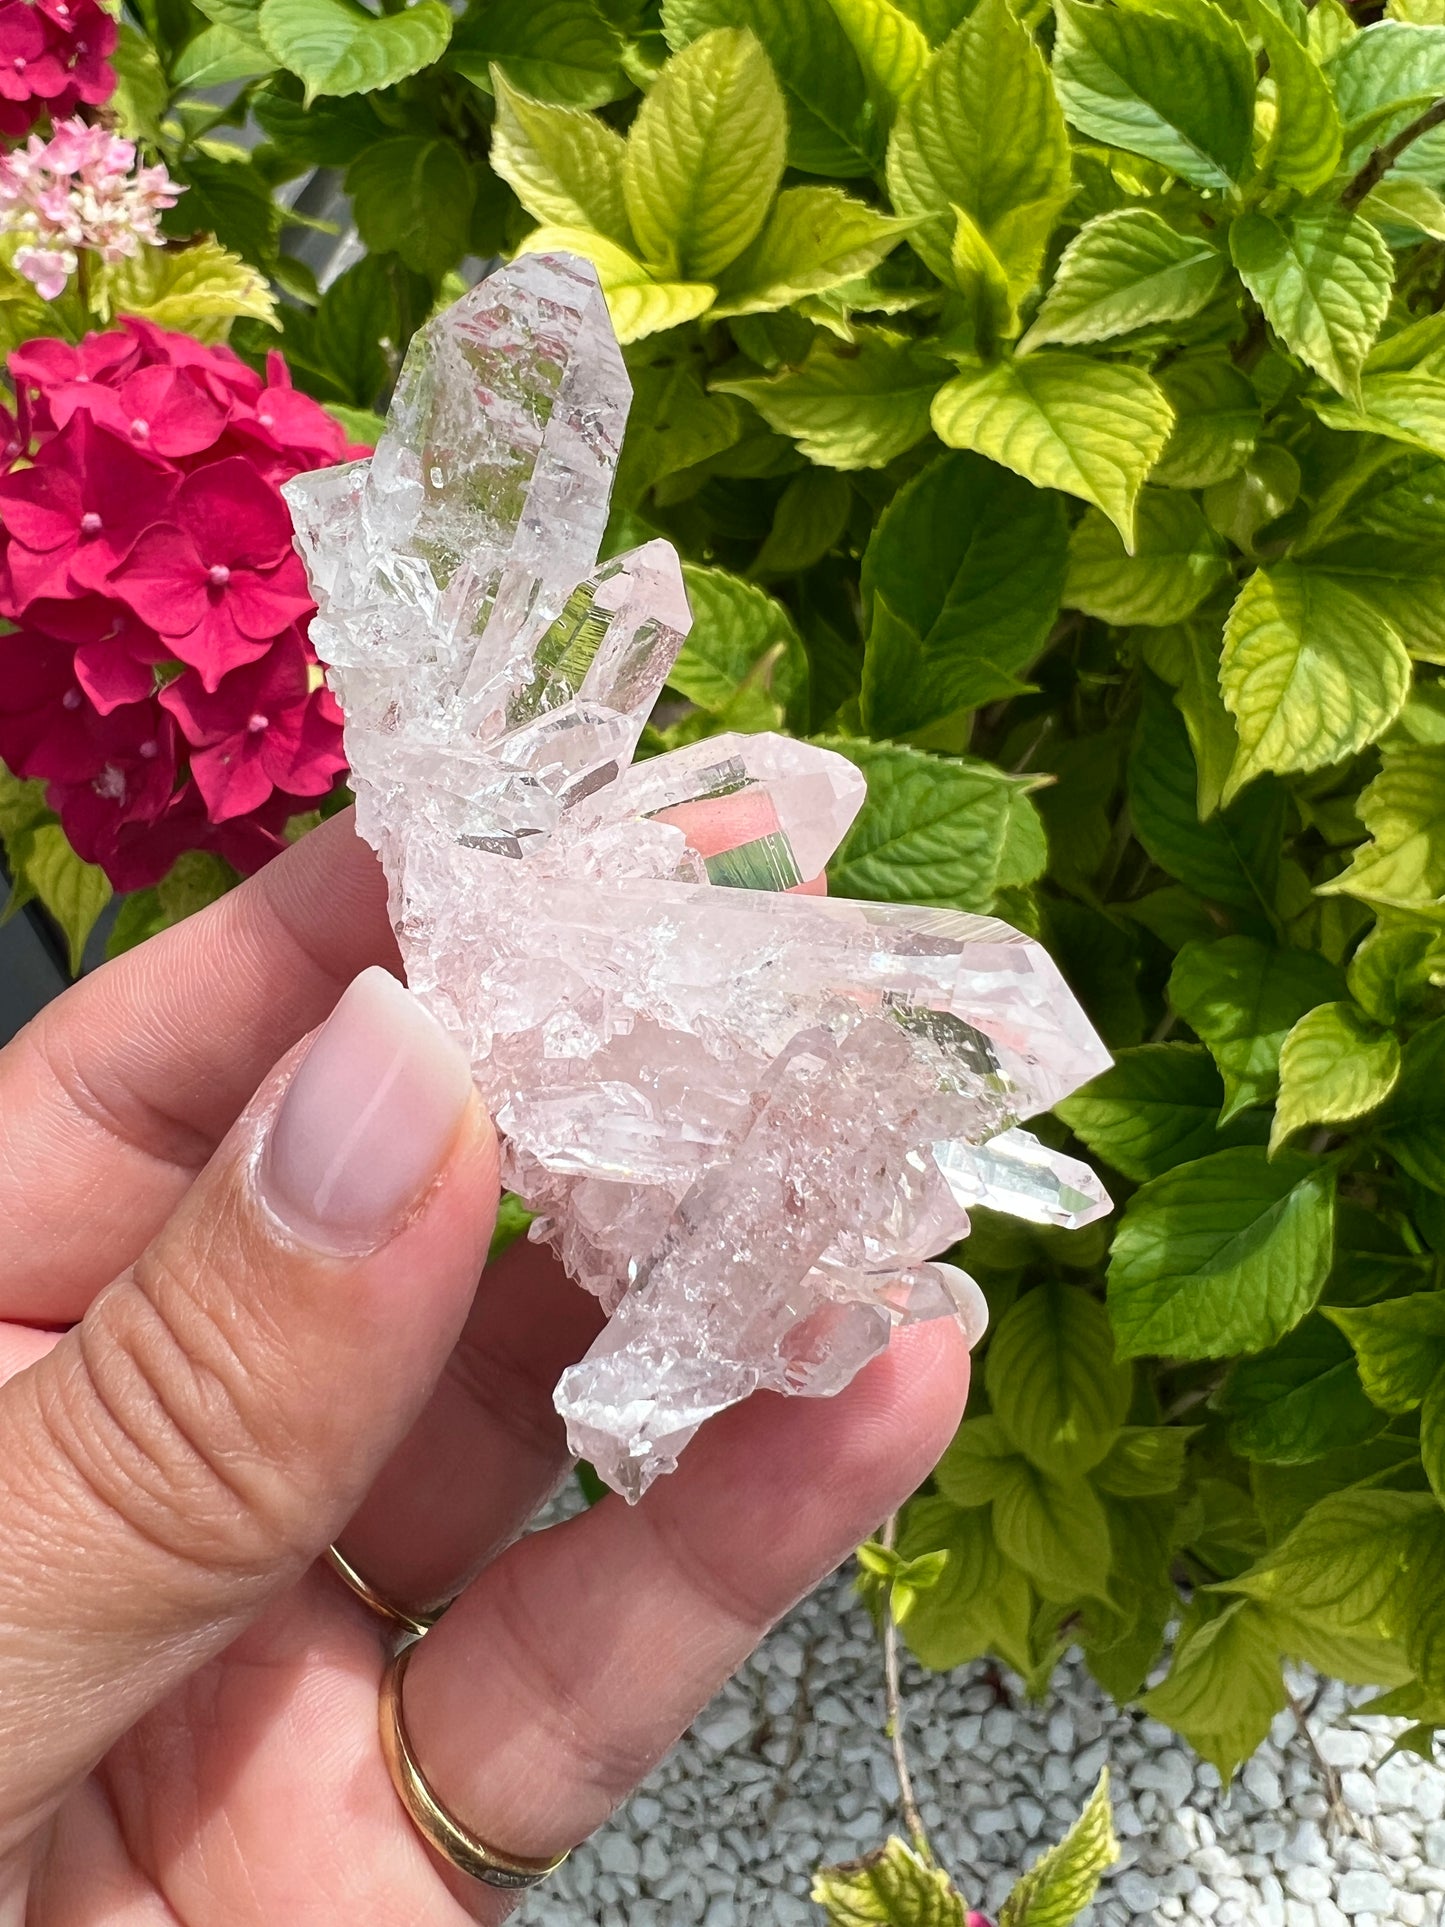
(184, 1453)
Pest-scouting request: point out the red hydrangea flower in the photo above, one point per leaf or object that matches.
(159, 678)
(273, 725)
(54, 55)
(219, 579)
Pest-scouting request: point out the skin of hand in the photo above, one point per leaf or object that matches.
(238, 1272)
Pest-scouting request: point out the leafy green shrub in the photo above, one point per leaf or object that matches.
(1051, 405)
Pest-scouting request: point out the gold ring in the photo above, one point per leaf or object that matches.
(431, 1819)
(414, 1623)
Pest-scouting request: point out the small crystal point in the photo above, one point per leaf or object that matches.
(748, 1119)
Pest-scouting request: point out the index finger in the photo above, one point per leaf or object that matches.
(113, 1098)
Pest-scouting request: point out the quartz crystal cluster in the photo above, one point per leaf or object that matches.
(748, 1119)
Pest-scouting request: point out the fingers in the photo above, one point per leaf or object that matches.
(118, 1092)
(573, 1663)
(489, 1446)
(182, 1454)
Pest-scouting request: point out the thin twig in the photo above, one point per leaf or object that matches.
(1384, 158)
(802, 1714)
(893, 1704)
(1334, 1792)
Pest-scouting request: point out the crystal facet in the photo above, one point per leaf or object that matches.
(748, 1123)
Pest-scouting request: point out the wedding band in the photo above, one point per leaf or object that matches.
(414, 1623)
(426, 1812)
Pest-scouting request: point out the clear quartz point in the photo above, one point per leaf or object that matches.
(748, 1123)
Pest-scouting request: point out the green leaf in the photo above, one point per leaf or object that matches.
(142, 92)
(1220, 1256)
(1407, 407)
(808, 523)
(835, 122)
(815, 238)
(200, 290)
(980, 1462)
(1394, 557)
(944, 152)
(22, 805)
(1364, 1561)
(961, 586)
(1412, 1129)
(1400, 1346)
(735, 628)
(675, 424)
(987, 313)
(238, 15)
(1324, 283)
(337, 47)
(1055, 1529)
(1052, 1380)
(850, 404)
(1063, 1881)
(889, 1888)
(1307, 139)
(638, 304)
(413, 197)
(1216, 423)
(1334, 1065)
(43, 865)
(357, 316)
(891, 48)
(321, 133)
(1404, 811)
(1310, 672)
(553, 50)
(1233, 858)
(1144, 1462)
(1156, 1106)
(1124, 270)
(1299, 1400)
(1391, 973)
(1224, 1686)
(564, 166)
(1381, 79)
(1242, 998)
(1061, 421)
(980, 1602)
(1177, 560)
(1172, 80)
(705, 156)
(227, 200)
(935, 830)
(218, 54)
(1186, 655)
(1405, 203)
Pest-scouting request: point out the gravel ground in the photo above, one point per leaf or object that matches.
(789, 1766)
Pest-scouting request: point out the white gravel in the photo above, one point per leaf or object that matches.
(789, 1767)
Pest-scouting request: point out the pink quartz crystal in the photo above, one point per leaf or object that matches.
(748, 1120)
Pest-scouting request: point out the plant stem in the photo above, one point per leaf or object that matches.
(1384, 158)
(893, 1704)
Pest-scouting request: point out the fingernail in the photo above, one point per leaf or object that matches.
(969, 1302)
(368, 1118)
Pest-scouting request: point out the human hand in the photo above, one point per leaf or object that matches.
(281, 1344)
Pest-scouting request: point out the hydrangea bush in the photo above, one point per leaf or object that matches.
(1049, 400)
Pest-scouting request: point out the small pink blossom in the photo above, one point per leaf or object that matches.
(79, 189)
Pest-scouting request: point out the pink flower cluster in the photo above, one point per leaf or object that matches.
(54, 56)
(159, 678)
(76, 190)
